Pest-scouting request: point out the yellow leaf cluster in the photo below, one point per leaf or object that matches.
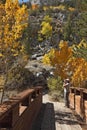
(66, 64)
(47, 18)
(1, 55)
(46, 28)
(13, 20)
(35, 6)
(59, 58)
(82, 43)
(47, 57)
(80, 73)
(79, 67)
(60, 7)
(45, 8)
(71, 9)
(63, 54)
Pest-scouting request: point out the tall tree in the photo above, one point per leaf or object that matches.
(59, 59)
(13, 20)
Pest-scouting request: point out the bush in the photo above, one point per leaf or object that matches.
(55, 83)
(19, 78)
(55, 86)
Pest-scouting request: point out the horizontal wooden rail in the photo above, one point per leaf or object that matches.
(21, 110)
(78, 101)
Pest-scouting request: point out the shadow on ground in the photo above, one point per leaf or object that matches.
(65, 118)
(46, 118)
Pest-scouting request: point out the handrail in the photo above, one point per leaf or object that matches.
(78, 101)
(21, 108)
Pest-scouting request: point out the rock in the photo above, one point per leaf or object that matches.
(41, 72)
(40, 80)
(39, 58)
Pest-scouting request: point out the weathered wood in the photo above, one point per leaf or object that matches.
(22, 95)
(63, 116)
(20, 111)
(80, 102)
(76, 127)
(8, 112)
(72, 100)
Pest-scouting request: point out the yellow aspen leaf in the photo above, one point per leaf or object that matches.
(1, 55)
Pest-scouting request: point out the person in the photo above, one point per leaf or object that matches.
(66, 85)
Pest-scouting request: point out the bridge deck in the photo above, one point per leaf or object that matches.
(54, 116)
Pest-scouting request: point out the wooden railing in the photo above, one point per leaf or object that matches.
(20, 111)
(78, 101)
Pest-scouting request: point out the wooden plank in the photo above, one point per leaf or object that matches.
(64, 127)
(76, 127)
(7, 107)
(58, 126)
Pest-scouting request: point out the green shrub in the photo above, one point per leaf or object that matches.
(55, 85)
(19, 78)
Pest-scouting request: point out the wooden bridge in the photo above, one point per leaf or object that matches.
(32, 110)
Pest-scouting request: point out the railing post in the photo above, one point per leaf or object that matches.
(85, 105)
(82, 103)
(72, 97)
(9, 112)
(20, 111)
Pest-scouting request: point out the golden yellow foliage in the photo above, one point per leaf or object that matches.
(34, 6)
(80, 74)
(82, 43)
(46, 28)
(47, 19)
(60, 7)
(71, 9)
(47, 57)
(66, 64)
(79, 64)
(14, 20)
(59, 59)
(45, 8)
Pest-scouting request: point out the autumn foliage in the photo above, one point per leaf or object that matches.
(46, 28)
(79, 64)
(13, 20)
(67, 64)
